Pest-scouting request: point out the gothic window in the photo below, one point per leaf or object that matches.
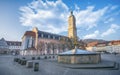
(57, 37)
(27, 43)
(42, 35)
(32, 42)
(39, 35)
(48, 36)
(53, 37)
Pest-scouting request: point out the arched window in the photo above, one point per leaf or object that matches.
(42, 35)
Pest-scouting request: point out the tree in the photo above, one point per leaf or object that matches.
(63, 42)
(40, 46)
(82, 45)
(53, 47)
(48, 48)
(70, 44)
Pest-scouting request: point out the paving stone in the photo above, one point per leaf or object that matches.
(50, 67)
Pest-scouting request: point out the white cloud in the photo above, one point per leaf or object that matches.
(111, 30)
(47, 16)
(77, 8)
(114, 7)
(53, 16)
(109, 20)
(89, 18)
(91, 36)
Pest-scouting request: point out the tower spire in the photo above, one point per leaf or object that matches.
(72, 31)
(71, 12)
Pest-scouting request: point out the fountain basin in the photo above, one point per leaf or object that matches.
(79, 57)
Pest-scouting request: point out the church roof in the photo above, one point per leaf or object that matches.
(51, 35)
(29, 33)
(48, 33)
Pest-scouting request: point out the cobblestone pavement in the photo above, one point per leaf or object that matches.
(50, 67)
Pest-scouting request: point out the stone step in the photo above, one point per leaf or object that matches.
(109, 65)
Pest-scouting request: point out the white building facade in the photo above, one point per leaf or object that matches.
(3, 46)
(9, 46)
(14, 46)
(111, 47)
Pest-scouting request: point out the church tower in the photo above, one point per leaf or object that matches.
(72, 31)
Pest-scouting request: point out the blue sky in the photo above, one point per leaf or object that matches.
(96, 19)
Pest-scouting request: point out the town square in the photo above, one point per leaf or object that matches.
(59, 37)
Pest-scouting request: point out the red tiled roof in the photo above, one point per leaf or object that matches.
(29, 33)
(115, 42)
(92, 43)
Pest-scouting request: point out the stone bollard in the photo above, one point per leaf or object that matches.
(23, 62)
(53, 57)
(19, 61)
(33, 58)
(36, 66)
(29, 64)
(38, 58)
(16, 59)
(23, 57)
(45, 57)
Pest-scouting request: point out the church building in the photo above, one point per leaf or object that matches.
(41, 43)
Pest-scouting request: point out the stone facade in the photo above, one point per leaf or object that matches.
(72, 31)
(38, 42)
(80, 59)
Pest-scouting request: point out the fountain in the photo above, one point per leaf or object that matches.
(77, 56)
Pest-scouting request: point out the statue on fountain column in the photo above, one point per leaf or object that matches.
(72, 32)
